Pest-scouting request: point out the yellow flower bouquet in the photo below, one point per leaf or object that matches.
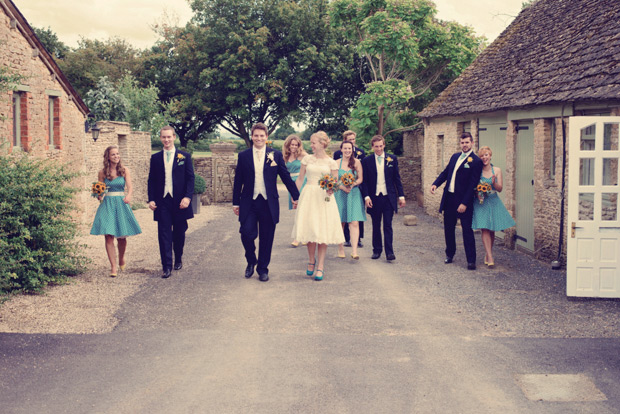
(347, 179)
(327, 182)
(484, 190)
(99, 188)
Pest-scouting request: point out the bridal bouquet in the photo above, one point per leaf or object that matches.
(484, 190)
(327, 182)
(98, 189)
(347, 179)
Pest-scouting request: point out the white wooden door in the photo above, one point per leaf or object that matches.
(593, 248)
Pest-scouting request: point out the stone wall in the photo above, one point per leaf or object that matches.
(410, 166)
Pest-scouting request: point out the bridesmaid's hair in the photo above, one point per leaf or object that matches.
(352, 157)
(286, 148)
(483, 150)
(107, 168)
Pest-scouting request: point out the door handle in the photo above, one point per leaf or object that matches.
(572, 229)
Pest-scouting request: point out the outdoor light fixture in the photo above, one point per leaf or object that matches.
(88, 126)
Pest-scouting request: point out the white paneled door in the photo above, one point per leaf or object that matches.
(593, 262)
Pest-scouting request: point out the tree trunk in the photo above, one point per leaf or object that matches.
(381, 121)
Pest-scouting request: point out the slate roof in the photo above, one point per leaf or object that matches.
(555, 51)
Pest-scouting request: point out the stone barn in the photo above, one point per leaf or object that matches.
(558, 59)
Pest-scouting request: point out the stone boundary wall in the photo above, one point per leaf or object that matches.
(410, 166)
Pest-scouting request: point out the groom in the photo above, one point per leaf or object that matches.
(461, 176)
(170, 190)
(255, 199)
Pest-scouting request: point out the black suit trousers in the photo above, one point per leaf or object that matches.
(170, 232)
(381, 210)
(450, 216)
(258, 223)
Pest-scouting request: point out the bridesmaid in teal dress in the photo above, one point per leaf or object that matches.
(114, 217)
(490, 214)
(293, 152)
(349, 198)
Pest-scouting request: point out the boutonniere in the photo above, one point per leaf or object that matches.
(180, 159)
(389, 159)
(359, 153)
(270, 158)
(469, 159)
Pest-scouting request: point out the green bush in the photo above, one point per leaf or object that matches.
(37, 233)
(200, 186)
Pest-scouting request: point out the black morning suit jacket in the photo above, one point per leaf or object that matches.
(182, 182)
(466, 179)
(243, 188)
(392, 178)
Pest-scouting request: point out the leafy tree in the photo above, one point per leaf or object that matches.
(247, 61)
(92, 59)
(52, 43)
(106, 102)
(284, 130)
(408, 51)
(143, 109)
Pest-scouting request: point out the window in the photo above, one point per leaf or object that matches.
(53, 119)
(16, 120)
(552, 148)
(440, 153)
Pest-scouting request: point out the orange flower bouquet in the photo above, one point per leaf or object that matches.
(327, 182)
(484, 190)
(98, 189)
(347, 179)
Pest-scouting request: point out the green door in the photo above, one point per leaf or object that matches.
(524, 206)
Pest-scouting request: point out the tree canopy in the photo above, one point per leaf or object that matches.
(409, 53)
(247, 61)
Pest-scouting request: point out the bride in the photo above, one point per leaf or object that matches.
(317, 221)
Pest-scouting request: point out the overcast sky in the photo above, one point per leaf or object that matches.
(132, 19)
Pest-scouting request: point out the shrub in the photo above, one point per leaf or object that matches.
(37, 233)
(200, 186)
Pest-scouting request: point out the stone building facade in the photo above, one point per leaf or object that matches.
(521, 110)
(43, 115)
(218, 171)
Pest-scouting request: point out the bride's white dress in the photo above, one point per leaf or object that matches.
(317, 220)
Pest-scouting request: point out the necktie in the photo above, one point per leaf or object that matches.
(380, 159)
(168, 154)
(463, 155)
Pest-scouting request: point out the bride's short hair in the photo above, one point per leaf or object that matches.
(322, 137)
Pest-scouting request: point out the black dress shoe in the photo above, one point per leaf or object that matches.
(347, 244)
(375, 256)
(471, 266)
(249, 271)
(178, 265)
(448, 260)
(167, 273)
(263, 277)
(390, 257)
(359, 244)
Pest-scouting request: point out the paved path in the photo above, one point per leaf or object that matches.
(413, 336)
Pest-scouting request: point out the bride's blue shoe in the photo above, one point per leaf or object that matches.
(308, 271)
(317, 277)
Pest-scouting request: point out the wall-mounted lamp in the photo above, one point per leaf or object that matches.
(88, 126)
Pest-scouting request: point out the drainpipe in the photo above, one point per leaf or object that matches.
(556, 264)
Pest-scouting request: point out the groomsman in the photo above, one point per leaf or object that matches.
(350, 136)
(461, 176)
(255, 199)
(383, 194)
(170, 190)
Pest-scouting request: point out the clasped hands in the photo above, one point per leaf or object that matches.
(184, 204)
